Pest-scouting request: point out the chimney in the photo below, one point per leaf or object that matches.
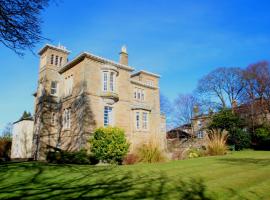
(123, 56)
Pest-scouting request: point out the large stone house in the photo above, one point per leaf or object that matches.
(77, 96)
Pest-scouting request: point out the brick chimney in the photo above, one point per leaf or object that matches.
(123, 56)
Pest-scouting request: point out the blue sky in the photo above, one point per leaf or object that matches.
(181, 40)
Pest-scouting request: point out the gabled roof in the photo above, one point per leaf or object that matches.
(84, 55)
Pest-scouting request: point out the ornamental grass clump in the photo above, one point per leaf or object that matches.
(217, 139)
(150, 152)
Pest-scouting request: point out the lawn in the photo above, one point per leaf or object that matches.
(239, 175)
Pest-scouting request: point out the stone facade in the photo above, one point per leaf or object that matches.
(73, 98)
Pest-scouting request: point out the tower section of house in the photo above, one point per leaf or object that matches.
(95, 92)
(47, 99)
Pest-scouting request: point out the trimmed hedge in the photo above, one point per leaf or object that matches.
(65, 157)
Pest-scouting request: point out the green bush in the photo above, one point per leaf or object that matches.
(262, 137)
(109, 144)
(229, 121)
(239, 138)
(65, 157)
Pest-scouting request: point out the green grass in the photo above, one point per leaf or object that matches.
(240, 175)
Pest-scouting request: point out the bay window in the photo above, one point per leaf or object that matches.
(108, 81)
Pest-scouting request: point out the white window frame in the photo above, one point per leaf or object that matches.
(108, 117)
(108, 81)
(55, 89)
(67, 118)
(68, 85)
(200, 134)
(145, 120)
(105, 81)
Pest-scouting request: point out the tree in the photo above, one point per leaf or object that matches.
(184, 108)
(222, 84)
(257, 88)
(26, 115)
(227, 120)
(7, 132)
(20, 23)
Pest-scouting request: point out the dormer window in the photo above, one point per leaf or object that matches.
(108, 81)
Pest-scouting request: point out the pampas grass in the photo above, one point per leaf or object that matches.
(150, 152)
(217, 139)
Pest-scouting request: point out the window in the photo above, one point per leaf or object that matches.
(200, 134)
(60, 61)
(108, 81)
(108, 117)
(199, 124)
(52, 57)
(68, 85)
(149, 82)
(54, 88)
(53, 118)
(137, 120)
(105, 81)
(66, 119)
(56, 60)
(139, 94)
(112, 81)
(142, 95)
(145, 120)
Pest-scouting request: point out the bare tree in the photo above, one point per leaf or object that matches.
(166, 108)
(20, 23)
(222, 84)
(257, 90)
(184, 108)
(7, 132)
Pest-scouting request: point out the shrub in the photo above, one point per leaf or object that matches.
(65, 157)
(109, 144)
(130, 159)
(150, 152)
(239, 138)
(5, 149)
(229, 121)
(217, 142)
(262, 137)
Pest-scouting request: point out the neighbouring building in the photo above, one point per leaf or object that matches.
(75, 97)
(22, 139)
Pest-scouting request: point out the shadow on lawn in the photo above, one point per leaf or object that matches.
(43, 181)
(245, 161)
